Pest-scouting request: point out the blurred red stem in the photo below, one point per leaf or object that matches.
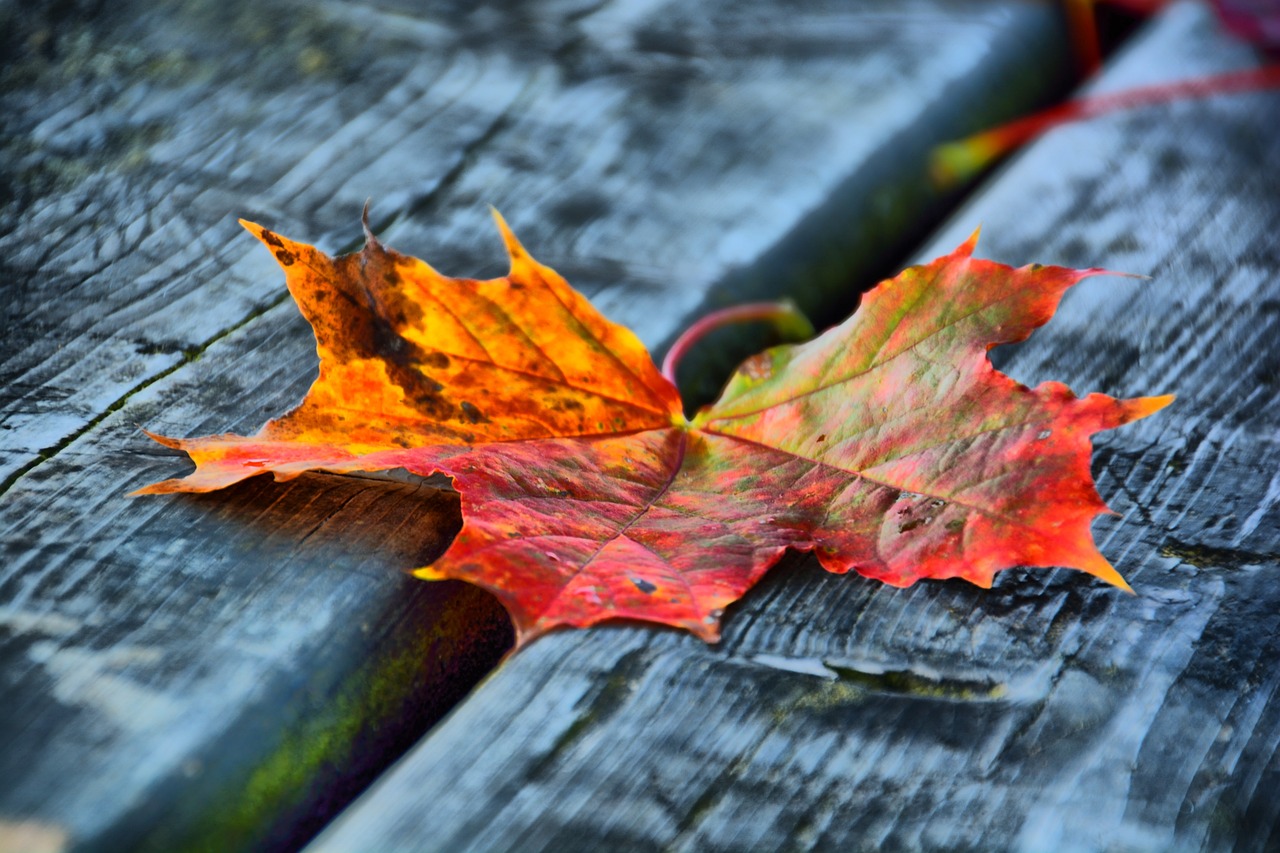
(784, 315)
(1016, 133)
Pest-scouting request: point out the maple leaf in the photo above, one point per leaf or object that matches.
(889, 445)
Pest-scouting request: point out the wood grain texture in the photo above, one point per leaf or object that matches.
(218, 673)
(226, 672)
(650, 152)
(1050, 713)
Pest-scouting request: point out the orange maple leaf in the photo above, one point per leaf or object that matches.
(889, 445)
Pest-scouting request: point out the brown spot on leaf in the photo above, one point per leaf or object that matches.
(564, 404)
(433, 405)
(757, 368)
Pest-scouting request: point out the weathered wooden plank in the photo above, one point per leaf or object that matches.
(1050, 713)
(221, 672)
(214, 673)
(652, 151)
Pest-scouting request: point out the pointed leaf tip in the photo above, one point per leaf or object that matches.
(1143, 406)
(514, 248)
(1108, 573)
(1095, 271)
(1092, 562)
(285, 250)
(175, 443)
(965, 249)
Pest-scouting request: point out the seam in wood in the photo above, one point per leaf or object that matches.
(189, 355)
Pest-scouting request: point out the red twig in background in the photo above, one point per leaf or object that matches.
(957, 161)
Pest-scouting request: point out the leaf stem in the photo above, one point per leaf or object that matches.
(958, 161)
(786, 318)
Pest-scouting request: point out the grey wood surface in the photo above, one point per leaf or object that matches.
(226, 671)
(1051, 713)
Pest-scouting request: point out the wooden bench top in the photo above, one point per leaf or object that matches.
(1051, 713)
(228, 671)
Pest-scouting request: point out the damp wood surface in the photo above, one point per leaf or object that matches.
(228, 671)
(1050, 713)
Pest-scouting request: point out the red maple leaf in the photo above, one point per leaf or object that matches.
(889, 445)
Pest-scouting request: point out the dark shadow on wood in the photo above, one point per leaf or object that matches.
(316, 737)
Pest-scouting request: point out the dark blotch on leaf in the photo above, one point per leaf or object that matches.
(644, 586)
(564, 404)
(432, 405)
